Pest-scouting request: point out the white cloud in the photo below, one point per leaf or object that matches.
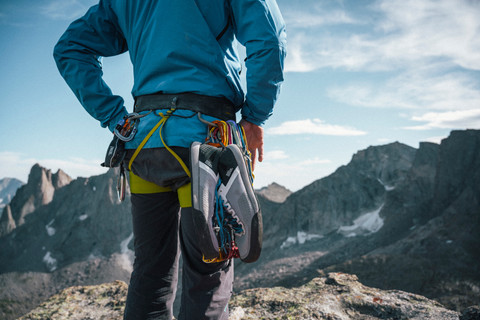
(315, 14)
(296, 57)
(315, 127)
(420, 88)
(458, 119)
(416, 55)
(17, 165)
(66, 9)
(407, 33)
(445, 28)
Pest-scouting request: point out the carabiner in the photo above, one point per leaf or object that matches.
(121, 184)
(126, 128)
(199, 115)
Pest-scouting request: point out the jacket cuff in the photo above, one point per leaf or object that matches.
(249, 116)
(113, 122)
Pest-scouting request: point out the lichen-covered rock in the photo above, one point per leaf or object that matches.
(337, 297)
(105, 301)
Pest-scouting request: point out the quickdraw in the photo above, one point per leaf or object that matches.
(223, 133)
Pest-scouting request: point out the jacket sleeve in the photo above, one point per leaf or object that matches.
(78, 54)
(260, 28)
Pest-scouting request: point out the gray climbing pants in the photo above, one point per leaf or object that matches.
(162, 230)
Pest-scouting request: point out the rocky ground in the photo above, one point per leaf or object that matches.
(20, 292)
(102, 302)
(338, 296)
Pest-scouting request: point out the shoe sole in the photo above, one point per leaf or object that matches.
(203, 205)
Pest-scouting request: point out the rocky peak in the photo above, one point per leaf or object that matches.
(274, 192)
(84, 219)
(38, 191)
(40, 182)
(353, 190)
(387, 163)
(60, 179)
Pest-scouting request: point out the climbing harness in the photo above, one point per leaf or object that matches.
(160, 124)
(232, 228)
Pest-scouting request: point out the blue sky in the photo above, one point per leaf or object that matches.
(358, 73)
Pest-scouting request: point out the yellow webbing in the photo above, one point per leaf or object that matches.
(142, 144)
(160, 124)
(185, 195)
(139, 185)
(184, 166)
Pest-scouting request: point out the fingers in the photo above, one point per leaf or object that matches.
(260, 153)
(254, 136)
(254, 156)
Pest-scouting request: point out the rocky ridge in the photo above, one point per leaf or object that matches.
(412, 216)
(83, 221)
(39, 191)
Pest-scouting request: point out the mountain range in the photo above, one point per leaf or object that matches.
(398, 217)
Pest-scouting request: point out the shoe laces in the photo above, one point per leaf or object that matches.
(226, 226)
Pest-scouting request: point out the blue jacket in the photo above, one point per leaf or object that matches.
(173, 47)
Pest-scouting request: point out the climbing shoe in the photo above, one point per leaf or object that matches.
(226, 213)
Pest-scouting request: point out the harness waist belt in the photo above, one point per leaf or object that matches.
(217, 107)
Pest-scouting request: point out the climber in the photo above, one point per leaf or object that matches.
(185, 62)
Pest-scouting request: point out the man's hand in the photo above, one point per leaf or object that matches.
(254, 135)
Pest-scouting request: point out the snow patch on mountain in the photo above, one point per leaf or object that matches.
(387, 187)
(367, 223)
(300, 238)
(50, 261)
(50, 230)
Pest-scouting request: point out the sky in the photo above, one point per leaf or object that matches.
(358, 73)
